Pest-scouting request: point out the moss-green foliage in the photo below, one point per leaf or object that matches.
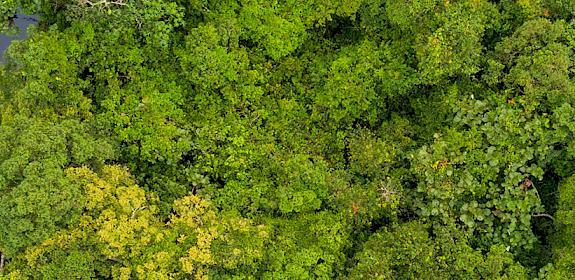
(247, 139)
(564, 240)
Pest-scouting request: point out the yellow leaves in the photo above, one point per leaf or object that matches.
(262, 231)
(198, 222)
(131, 199)
(157, 267)
(96, 194)
(240, 250)
(476, 4)
(435, 41)
(123, 273)
(14, 275)
(114, 235)
(119, 212)
(440, 164)
(116, 189)
(120, 225)
(35, 255)
(182, 238)
(532, 8)
(192, 211)
(196, 214)
(200, 254)
(146, 99)
(96, 189)
(125, 235)
(187, 265)
(159, 236)
(117, 176)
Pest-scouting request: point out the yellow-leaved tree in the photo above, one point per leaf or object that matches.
(120, 235)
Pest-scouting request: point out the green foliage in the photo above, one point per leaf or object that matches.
(7, 9)
(236, 139)
(564, 240)
(307, 246)
(408, 252)
(477, 176)
(118, 234)
(280, 28)
(42, 78)
(36, 199)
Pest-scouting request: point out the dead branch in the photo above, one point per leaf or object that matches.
(136, 210)
(102, 3)
(543, 215)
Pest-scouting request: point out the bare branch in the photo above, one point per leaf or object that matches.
(136, 210)
(543, 215)
(105, 3)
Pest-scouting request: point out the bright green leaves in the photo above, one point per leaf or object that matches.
(369, 156)
(42, 77)
(210, 62)
(302, 184)
(359, 82)
(409, 252)
(454, 48)
(563, 243)
(157, 21)
(539, 64)
(442, 39)
(308, 246)
(481, 176)
(146, 117)
(564, 124)
(7, 10)
(559, 9)
(154, 20)
(279, 36)
(445, 37)
(350, 87)
(408, 17)
(286, 139)
(254, 182)
(480, 173)
(280, 28)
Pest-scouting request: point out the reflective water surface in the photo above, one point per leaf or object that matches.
(22, 21)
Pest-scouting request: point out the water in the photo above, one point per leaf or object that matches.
(22, 21)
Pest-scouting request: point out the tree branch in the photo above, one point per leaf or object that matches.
(136, 210)
(1, 261)
(105, 3)
(543, 215)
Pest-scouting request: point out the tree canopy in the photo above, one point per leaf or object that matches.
(317, 139)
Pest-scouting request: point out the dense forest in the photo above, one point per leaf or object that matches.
(284, 139)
